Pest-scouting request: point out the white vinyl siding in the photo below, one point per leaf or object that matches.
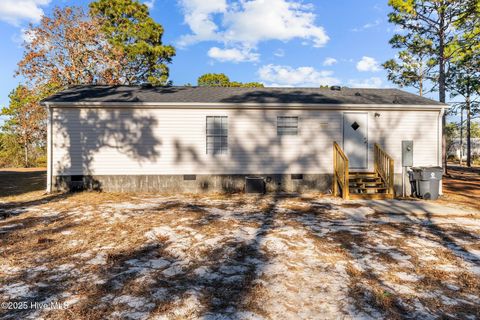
(392, 127)
(173, 141)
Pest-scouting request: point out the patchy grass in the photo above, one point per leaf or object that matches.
(182, 257)
(164, 256)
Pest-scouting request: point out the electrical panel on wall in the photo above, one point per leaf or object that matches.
(407, 153)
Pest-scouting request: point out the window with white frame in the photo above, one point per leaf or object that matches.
(217, 134)
(287, 126)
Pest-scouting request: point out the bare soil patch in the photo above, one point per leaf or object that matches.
(462, 186)
(150, 256)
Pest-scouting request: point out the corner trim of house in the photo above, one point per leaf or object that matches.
(49, 150)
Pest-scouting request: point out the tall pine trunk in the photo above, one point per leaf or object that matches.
(469, 141)
(461, 136)
(442, 85)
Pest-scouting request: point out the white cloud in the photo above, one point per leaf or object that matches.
(373, 82)
(16, 11)
(246, 23)
(260, 20)
(150, 4)
(22, 37)
(276, 75)
(368, 25)
(198, 15)
(233, 55)
(368, 64)
(27, 35)
(329, 61)
(279, 53)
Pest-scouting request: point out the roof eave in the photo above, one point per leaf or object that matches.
(230, 105)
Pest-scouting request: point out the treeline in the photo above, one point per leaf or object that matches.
(114, 42)
(221, 80)
(456, 141)
(439, 43)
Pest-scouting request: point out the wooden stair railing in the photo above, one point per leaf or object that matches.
(383, 165)
(340, 172)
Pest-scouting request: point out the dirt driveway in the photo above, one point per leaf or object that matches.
(237, 257)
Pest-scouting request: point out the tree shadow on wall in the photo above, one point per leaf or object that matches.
(90, 135)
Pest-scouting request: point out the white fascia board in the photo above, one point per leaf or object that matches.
(200, 105)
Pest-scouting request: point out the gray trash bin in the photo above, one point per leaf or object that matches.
(427, 181)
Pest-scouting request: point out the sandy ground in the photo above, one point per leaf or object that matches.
(146, 256)
(462, 186)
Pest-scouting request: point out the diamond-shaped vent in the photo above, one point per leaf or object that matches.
(355, 126)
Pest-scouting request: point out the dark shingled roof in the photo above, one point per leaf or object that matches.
(139, 94)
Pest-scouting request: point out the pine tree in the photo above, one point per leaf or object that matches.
(221, 80)
(133, 33)
(26, 121)
(436, 22)
(413, 66)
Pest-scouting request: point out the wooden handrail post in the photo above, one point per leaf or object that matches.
(334, 179)
(384, 166)
(392, 178)
(346, 186)
(340, 172)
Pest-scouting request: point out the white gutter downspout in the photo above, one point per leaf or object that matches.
(49, 149)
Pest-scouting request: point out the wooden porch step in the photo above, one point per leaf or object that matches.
(370, 196)
(369, 187)
(367, 190)
(363, 176)
(365, 180)
(365, 183)
(363, 173)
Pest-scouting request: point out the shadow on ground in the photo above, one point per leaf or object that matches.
(17, 182)
(238, 257)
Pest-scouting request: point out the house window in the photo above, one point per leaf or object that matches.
(287, 126)
(217, 135)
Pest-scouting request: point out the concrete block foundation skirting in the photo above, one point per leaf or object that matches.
(193, 183)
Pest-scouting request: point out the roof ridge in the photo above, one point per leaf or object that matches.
(98, 93)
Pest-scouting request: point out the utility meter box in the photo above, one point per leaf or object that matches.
(407, 153)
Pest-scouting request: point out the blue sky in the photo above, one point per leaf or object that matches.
(277, 42)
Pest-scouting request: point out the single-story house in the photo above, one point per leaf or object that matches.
(194, 139)
(458, 149)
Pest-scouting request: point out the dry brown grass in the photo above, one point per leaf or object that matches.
(462, 187)
(354, 273)
(368, 291)
(297, 206)
(469, 282)
(93, 218)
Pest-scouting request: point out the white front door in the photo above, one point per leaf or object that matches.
(355, 139)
